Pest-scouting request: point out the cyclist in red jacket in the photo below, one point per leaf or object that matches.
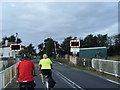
(25, 72)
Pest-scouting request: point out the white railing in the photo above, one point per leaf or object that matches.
(7, 75)
(107, 66)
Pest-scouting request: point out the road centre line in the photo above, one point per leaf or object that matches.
(71, 82)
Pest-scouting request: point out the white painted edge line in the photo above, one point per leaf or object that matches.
(102, 77)
(73, 83)
(65, 80)
(60, 63)
(113, 81)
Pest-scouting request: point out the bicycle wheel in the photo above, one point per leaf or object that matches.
(46, 84)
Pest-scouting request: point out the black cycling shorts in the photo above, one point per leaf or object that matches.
(46, 72)
(31, 84)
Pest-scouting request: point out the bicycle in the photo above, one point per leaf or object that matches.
(27, 86)
(46, 82)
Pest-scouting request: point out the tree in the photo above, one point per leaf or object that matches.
(41, 49)
(29, 50)
(114, 49)
(95, 41)
(88, 41)
(3, 40)
(49, 47)
(102, 40)
(11, 39)
(65, 46)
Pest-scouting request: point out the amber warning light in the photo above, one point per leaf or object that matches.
(15, 47)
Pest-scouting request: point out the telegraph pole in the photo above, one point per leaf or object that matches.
(16, 38)
(55, 49)
(16, 42)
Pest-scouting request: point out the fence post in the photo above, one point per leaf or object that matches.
(3, 80)
(93, 63)
(15, 70)
(100, 66)
(84, 62)
(11, 74)
(115, 68)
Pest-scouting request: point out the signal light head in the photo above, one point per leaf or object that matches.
(15, 47)
(75, 43)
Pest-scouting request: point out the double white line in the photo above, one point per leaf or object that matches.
(71, 83)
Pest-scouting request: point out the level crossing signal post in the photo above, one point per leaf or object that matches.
(74, 46)
(15, 47)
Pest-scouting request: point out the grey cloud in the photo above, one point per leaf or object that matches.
(58, 20)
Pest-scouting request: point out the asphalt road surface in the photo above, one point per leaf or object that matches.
(71, 78)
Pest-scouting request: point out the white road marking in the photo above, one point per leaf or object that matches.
(73, 84)
(60, 63)
(66, 81)
(113, 81)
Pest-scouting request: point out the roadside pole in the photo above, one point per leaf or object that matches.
(74, 48)
(55, 50)
(15, 47)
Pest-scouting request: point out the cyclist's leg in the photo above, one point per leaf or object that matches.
(42, 76)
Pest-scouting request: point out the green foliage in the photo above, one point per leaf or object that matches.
(11, 39)
(28, 50)
(50, 47)
(5, 58)
(10, 63)
(66, 45)
(95, 41)
(114, 48)
(112, 43)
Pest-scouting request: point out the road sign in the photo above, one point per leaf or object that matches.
(75, 43)
(74, 50)
(15, 47)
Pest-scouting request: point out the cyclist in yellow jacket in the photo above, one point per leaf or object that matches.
(45, 65)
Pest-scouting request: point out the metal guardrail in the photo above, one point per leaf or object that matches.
(7, 75)
(107, 66)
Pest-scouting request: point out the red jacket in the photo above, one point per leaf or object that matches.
(25, 69)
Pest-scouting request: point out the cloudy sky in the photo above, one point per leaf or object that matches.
(36, 21)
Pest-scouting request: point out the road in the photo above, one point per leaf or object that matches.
(75, 79)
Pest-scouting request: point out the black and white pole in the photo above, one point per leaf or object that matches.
(16, 38)
(84, 62)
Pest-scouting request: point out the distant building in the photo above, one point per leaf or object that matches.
(94, 52)
(5, 51)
